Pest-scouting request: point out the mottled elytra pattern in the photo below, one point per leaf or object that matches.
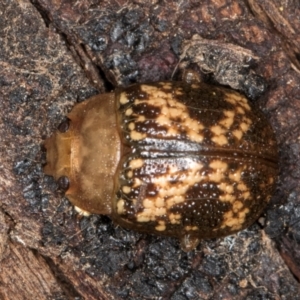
(186, 160)
(199, 161)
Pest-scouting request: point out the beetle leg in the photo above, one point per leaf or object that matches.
(189, 242)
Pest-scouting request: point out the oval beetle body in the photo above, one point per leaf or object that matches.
(180, 159)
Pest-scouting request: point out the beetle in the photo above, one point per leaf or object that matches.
(183, 159)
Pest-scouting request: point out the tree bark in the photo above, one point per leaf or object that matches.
(56, 53)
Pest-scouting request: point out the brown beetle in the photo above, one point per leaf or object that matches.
(188, 160)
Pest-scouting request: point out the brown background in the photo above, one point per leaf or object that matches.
(56, 53)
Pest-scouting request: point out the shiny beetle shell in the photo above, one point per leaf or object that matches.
(192, 161)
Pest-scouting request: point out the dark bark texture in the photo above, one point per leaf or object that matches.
(55, 53)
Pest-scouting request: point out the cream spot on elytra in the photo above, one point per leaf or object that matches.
(237, 205)
(166, 85)
(120, 206)
(227, 188)
(244, 104)
(140, 119)
(229, 113)
(137, 182)
(142, 218)
(159, 202)
(236, 176)
(161, 226)
(242, 187)
(191, 228)
(237, 99)
(216, 129)
(246, 195)
(131, 126)
(227, 122)
(123, 98)
(218, 164)
(136, 136)
(235, 218)
(216, 176)
(244, 127)
(175, 218)
(126, 189)
(128, 112)
(219, 167)
(147, 203)
(227, 198)
(220, 140)
(160, 211)
(240, 110)
(238, 134)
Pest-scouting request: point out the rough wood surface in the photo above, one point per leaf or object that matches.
(55, 53)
